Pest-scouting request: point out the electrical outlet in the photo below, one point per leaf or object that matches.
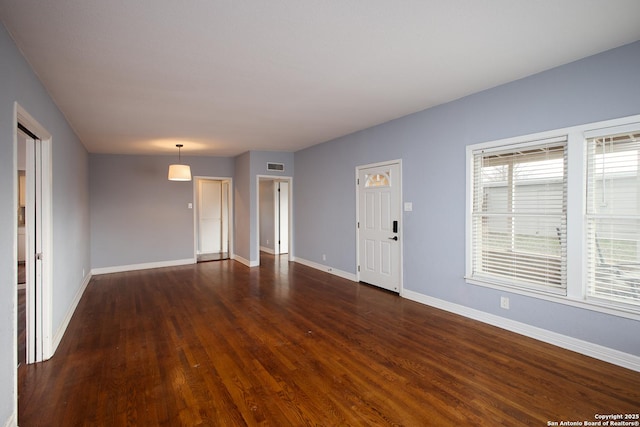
(324, 257)
(504, 303)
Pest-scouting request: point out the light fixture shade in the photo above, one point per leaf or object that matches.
(179, 173)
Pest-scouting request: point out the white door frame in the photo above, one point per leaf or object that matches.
(277, 220)
(38, 346)
(196, 179)
(400, 234)
(288, 179)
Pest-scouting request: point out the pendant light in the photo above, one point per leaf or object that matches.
(179, 172)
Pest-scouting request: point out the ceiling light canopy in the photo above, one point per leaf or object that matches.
(179, 172)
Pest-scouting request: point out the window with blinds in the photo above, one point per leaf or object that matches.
(613, 218)
(519, 216)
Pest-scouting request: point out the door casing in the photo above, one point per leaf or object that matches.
(39, 332)
(290, 247)
(228, 231)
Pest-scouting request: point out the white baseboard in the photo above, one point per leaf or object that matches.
(267, 250)
(133, 267)
(57, 337)
(596, 351)
(326, 268)
(245, 261)
(12, 421)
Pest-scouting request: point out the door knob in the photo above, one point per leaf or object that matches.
(394, 238)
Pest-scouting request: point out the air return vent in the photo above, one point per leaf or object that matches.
(279, 167)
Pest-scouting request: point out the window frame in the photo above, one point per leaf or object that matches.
(576, 233)
(515, 156)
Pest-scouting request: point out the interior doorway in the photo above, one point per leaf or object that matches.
(213, 218)
(274, 215)
(21, 145)
(33, 207)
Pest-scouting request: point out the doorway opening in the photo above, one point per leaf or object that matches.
(21, 142)
(32, 167)
(213, 232)
(274, 215)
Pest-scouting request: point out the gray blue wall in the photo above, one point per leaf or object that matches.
(432, 145)
(70, 207)
(138, 216)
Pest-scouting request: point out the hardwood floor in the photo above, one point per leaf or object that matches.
(285, 345)
(22, 333)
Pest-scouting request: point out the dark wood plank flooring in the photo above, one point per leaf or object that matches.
(284, 345)
(22, 333)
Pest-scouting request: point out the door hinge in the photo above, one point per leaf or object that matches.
(358, 181)
(358, 268)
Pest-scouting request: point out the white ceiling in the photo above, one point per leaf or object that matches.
(227, 76)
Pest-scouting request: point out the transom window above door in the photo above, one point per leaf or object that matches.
(377, 180)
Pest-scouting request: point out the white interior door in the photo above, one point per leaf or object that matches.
(379, 221)
(34, 252)
(37, 233)
(210, 217)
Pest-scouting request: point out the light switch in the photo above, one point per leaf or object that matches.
(408, 206)
(190, 205)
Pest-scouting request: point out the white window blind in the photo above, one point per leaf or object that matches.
(613, 218)
(519, 216)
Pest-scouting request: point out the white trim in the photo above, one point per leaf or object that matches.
(576, 294)
(244, 261)
(288, 179)
(597, 351)
(144, 266)
(43, 347)
(601, 307)
(613, 127)
(72, 308)
(12, 420)
(326, 268)
(520, 143)
(195, 211)
(267, 250)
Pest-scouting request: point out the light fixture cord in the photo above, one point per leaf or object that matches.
(179, 156)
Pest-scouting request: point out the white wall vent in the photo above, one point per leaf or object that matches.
(279, 167)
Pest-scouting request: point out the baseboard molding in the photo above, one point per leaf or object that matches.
(596, 351)
(12, 421)
(326, 268)
(267, 250)
(145, 266)
(245, 261)
(57, 337)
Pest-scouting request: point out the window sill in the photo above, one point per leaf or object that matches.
(592, 305)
